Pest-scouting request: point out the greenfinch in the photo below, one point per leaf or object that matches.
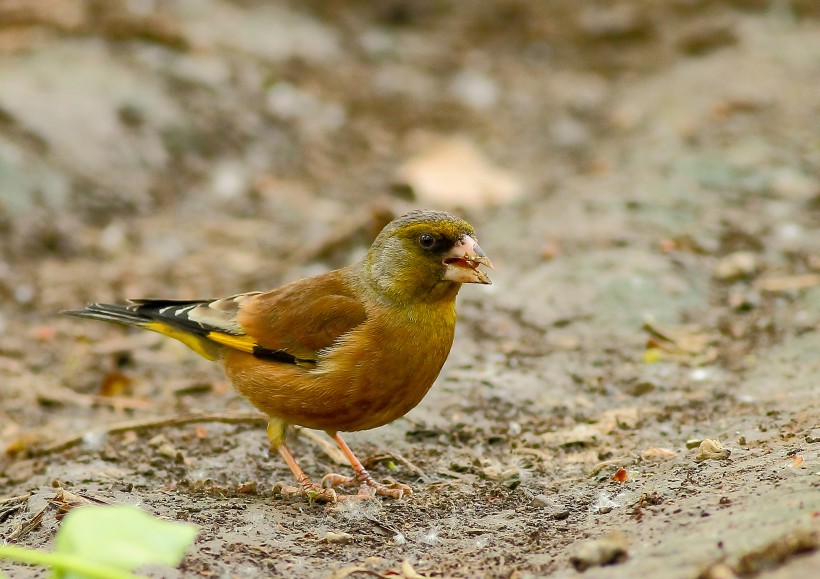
(348, 350)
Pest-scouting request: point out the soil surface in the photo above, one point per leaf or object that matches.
(644, 175)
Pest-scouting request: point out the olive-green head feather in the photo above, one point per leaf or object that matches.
(424, 257)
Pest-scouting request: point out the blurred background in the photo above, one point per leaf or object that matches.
(189, 133)
(645, 175)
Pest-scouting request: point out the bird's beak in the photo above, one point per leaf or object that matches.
(462, 261)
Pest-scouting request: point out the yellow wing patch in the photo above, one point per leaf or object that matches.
(197, 343)
(207, 346)
(241, 343)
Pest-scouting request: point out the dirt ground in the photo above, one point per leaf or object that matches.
(644, 175)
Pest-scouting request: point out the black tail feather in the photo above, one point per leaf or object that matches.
(119, 314)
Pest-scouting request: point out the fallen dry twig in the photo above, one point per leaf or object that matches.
(619, 461)
(332, 451)
(11, 505)
(26, 527)
(368, 462)
(143, 424)
(65, 500)
(150, 424)
(767, 557)
(66, 396)
(14, 500)
(787, 283)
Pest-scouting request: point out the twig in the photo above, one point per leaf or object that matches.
(371, 460)
(413, 468)
(14, 500)
(66, 396)
(385, 527)
(364, 223)
(788, 282)
(181, 420)
(64, 501)
(27, 527)
(617, 461)
(331, 450)
(346, 572)
(535, 452)
(150, 424)
(11, 505)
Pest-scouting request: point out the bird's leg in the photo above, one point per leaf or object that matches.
(365, 482)
(313, 491)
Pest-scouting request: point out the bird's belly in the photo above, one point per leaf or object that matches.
(383, 379)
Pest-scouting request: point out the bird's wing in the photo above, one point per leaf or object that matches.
(289, 324)
(301, 318)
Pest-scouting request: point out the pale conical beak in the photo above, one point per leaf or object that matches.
(462, 261)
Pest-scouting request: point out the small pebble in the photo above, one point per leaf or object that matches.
(608, 550)
(475, 89)
(167, 450)
(560, 515)
(737, 265)
(247, 488)
(158, 441)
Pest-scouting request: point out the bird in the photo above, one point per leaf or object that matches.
(347, 350)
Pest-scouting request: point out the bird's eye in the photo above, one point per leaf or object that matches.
(427, 241)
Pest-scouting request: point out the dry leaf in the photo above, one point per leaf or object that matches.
(659, 453)
(407, 571)
(333, 537)
(711, 449)
(66, 500)
(115, 384)
(685, 344)
(620, 475)
(44, 333)
(246, 488)
(452, 172)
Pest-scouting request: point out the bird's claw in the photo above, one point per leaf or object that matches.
(311, 491)
(337, 480)
(394, 490)
(368, 488)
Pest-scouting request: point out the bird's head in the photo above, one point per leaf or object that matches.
(425, 256)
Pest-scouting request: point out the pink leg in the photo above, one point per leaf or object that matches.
(308, 488)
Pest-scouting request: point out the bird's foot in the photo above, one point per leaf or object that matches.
(309, 490)
(368, 487)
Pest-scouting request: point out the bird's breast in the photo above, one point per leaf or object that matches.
(386, 367)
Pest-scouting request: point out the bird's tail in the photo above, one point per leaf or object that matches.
(167, 317)
(127, 315)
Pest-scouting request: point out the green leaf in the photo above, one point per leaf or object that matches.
(123, 537)
(60, 562)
